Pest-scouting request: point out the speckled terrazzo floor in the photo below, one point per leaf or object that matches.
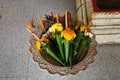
(16, 61)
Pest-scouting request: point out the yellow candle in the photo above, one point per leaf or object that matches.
(66, 20)
(57, 18)
(41, 23)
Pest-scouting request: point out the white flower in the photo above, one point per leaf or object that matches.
(45, 35)
(89, 34)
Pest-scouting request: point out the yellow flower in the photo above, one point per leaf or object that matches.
(38, 44)
(56, 26)
(68, 34)
(29, 26)
(83, 28)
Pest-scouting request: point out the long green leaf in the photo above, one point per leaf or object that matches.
(66, 48)
(50, 51)
(71, 55)
(60, 45)
(77, 40)
(80, 49)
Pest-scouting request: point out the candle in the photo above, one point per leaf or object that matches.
(57, 18)
(66, 21)
(41, 23)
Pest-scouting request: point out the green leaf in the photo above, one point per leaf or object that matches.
(50, 51)
(80, 49)
(88, 39)
(66, 48)
(60, 46)
(77, 40)
(44, 45)
(71, 55)
(54, 46)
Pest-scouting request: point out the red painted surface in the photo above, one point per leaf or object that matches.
(97, 9)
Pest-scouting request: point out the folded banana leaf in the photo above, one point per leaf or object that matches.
(51, 52)
(82, 45)
(67, 49)
(60, 46)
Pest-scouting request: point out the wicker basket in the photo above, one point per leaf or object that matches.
(48, 63)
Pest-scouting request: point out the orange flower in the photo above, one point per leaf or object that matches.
(44, 39)
(29, 26)
(68, 34)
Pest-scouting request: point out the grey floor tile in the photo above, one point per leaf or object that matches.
(96, 71)
(114, 70)
(13, 52)
(13, 64)
(35, 72)
(13, 58)
(80, 76)
(3, 79)
(111, 57)
(112, 60)
(114, 76)
(16, 78)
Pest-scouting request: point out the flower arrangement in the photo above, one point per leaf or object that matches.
(63, 38)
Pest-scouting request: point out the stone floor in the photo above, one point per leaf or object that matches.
(16, 61)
